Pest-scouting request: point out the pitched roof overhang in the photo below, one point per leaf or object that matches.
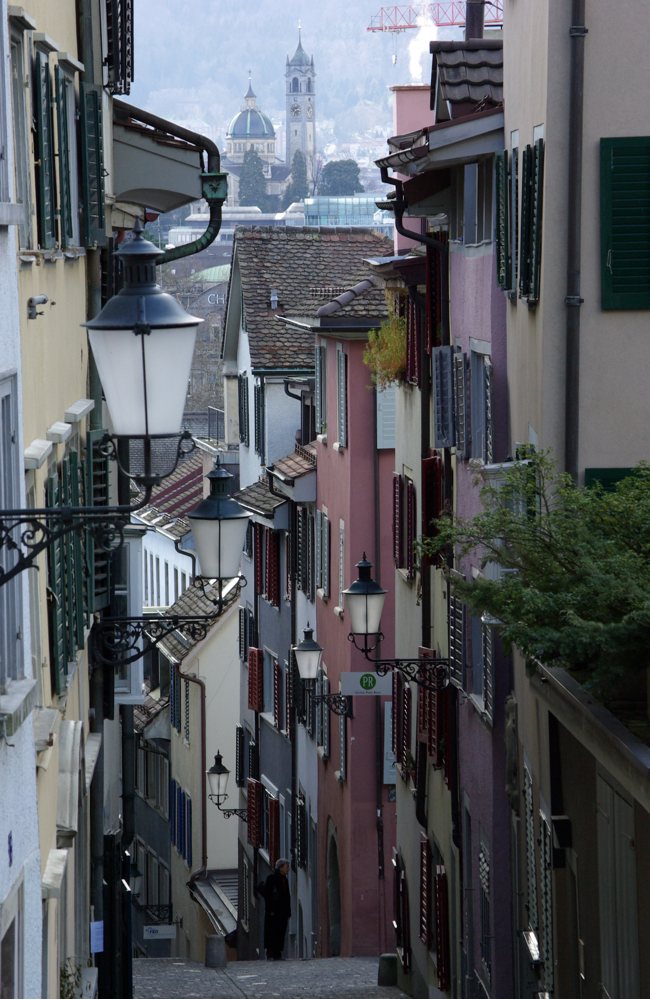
(153, 167)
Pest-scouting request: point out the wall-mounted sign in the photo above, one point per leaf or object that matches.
(160, 932)
(365, 683)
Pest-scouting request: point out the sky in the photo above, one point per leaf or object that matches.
(192, 62)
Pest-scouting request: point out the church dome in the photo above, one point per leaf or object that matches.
(251, 123)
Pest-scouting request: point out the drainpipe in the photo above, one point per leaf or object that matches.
(214, 187)
(573, 301)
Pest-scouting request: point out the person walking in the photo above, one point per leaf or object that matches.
(277, 909)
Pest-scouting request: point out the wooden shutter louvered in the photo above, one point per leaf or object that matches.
(172, 812)
(413, 342)
(320, 389)
(488, 671)
(325, 719)
(462, 404)
(441, 897)
(456, 640)
(243, 634)
(56, 566)
(624, 226)
(433, 497)
(342, 397)
(98, 561)
(425, 892)
(188, 833)
(488, 455)
(526, 222)
(256, 680)
(92, 160)
(274, 829)
(44, 163)
(278, 714)
(405, 756)
(240, 738)
(63, 85)
(537, 199)
(259, 560)
(255, 791)
(290, 695)
(411, 520)
(444, 397)
(396, 715)
(253, 760)
(74, 556)
(502, 226)
(301, 832)
(259, 420)
(272, 574)
(398, 544)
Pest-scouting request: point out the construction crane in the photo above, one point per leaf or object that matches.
(448, 14)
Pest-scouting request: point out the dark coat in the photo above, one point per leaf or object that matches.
(277, 910)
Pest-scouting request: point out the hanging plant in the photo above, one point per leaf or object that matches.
(385, 353)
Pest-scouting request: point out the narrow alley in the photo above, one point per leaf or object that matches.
(325, 977)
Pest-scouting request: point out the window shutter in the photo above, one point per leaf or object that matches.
(343, 747)
(526, 222)
(243, 634)
(301, 832)
(462, 405)
(188, 835)
(73, 558)
(255, 791)
(242, 387)
(274, 830)
(278, 715)
(290, 695)
(273, 568)
(487, 397)
(386, 405)
(252, 629)
(444, 397)
(404, 754)
(45, 176)
(531, 854)
(119, 60)
(182, 831)
(256, 680)
(239, 754)
(342, 397)
(98, 560)
(301, 549)
(425, 892)
(318, 560)
(63, 83)
(413, 343)
(441, 896)
(398, 489)
(92, 160)
(624, 227)
(259, 559)
(411, 512)
(396, 734)
(488, 671)
(259, 420)
(436, 722)
(456, 640)
(56, 596)
(546, 873)
(325, 555)
(172, 812)
(320, 388)
(325, 719)
(502, 228)
(537, 201)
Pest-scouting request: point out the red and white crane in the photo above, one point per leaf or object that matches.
(445, 14)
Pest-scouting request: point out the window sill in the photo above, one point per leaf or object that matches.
(338, 612)
(321, 438)
(337, 446)
(324, 596)
(17, 705)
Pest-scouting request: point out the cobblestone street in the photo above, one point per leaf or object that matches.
(326, 977)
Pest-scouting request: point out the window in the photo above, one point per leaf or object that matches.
(305, 551)
(44, 164)
(443, 377)
(481, 406)
(272, 567)
(21, 136)
(624, 233)
(507, 218)
(484, 904)
(256, 679)
(11, 658)
(401, 920)
(342, 397)
(12, 943)
(414, 333)
(477, 202)
(320, 390)
(66, 112)
(92, 161)
(247, 632)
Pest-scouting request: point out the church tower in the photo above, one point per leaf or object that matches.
(301, 108)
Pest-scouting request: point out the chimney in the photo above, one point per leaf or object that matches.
(474, 19)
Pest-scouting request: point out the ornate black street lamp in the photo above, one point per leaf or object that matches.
(142, 342)
(308, 654)
(217, 777)
(364, 603)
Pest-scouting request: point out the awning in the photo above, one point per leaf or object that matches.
(52, 878)
(216, 894)
(67, 811)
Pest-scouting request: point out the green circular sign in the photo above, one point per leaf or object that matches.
(368, 682)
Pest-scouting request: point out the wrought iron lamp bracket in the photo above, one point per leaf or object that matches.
(430, 674)
(241, 814)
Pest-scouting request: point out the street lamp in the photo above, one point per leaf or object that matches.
(142, 342)
(217, 777)
(308, 654)
(364, 602)
(219, 526)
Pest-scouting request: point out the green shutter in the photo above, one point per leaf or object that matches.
(62, 85)
(97, 494)
(56, 596)
(502, 231)
(46, 189)
(524, 237)
(537, 198)
(75, 581)
(92, 146)
(625, 222)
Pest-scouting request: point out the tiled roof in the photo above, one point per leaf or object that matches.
(466, 75)
(259, 499)
(193, 602)
(299, 463)
(180, 493)
(308, 267)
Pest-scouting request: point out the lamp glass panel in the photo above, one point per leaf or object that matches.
(365, 612)
(124, 361)
(219, 545)
(308, 663)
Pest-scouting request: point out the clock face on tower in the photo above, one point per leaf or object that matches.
(295, 110)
